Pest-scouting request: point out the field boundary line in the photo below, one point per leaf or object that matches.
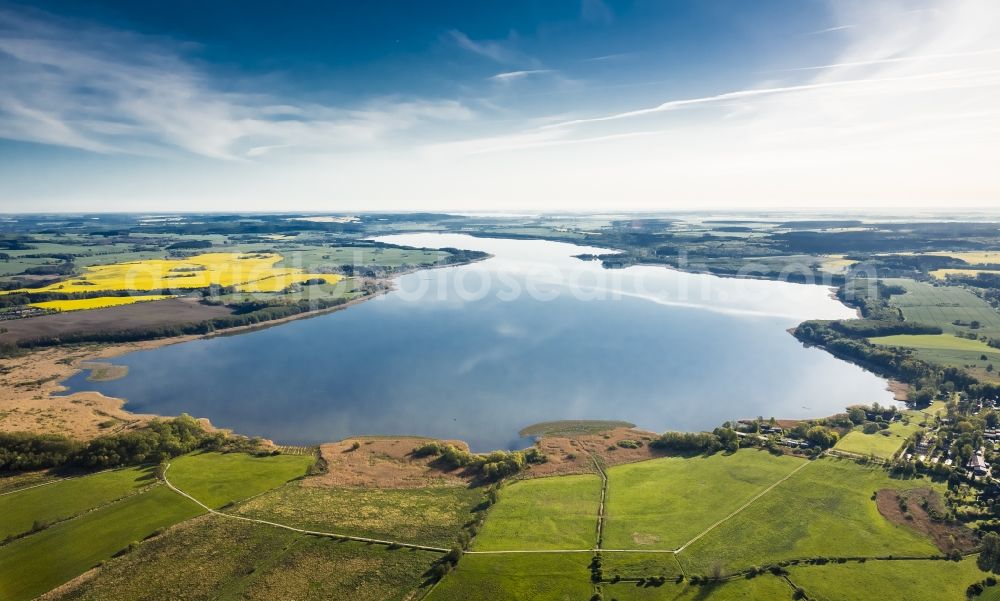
(57, 480)
(515, 551)
(741, 508)
(604, 496)
(360, 539)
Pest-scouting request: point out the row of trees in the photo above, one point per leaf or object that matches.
(697, 442)
(242, 317)
(157, 441)
(491, 467)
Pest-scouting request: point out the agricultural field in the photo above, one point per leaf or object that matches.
(543, 513)
(976, 257)
(109, 519)
(67, 498)
(256, 562)
(935, 342)
(427, 516)
(888, 580)
(162, 313)
(517, 577)
(943, 306)
(884, 443)
(217, 479)
(359, 256)
(98, 302)
(35, 564)
(247, 272)
(761, 588)
(825, 509)
(949, 350)
(660, 504)
(636, 564)
(942, 274)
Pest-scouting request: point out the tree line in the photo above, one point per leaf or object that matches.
(159, 440)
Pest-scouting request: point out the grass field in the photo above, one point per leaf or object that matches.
(935, 342)
(318, 257)
(523, 577)
(882, 444)
(98, 302)
(216, 479)
(35, 564)
(951, 351)
(825, 509)
(255, 562)
(543, 513)
(761, 588)
(428, 516)
(640, 565)
(662, 503)
(61, 500)
(888, 580)
(943, 305)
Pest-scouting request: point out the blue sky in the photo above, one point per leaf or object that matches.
(559, 105)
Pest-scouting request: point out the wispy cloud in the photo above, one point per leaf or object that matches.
(897, 59)
(831, 29)
(608, 57)
(906, 109)
(951, 79)
(74, 84)
(509, 76)
(501, 51)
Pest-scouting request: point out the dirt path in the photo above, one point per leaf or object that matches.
(360, 539)
(740, 508)
(604, 496)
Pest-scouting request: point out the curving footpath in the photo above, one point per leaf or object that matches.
(360, 539)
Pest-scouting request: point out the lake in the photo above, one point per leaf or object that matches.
(479, 351)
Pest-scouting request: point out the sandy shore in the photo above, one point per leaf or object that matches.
(30, 389)
(30, 393)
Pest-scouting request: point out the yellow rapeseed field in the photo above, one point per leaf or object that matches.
(254, 272)
(944, 273)
(99, 302)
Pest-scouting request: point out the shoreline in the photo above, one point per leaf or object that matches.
(32, 396)
(57, 364)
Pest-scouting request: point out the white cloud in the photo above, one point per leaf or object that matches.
(74, 84)
(501, 51)
(509, 76)
(906, 111)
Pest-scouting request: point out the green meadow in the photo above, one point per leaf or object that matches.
(255, 562)
(217, 479)
(663, 503)
(427, 516)
(943, 306)
(37, 563)
(543, 513)
(64, 499)
(883, 443)
(517, 577)
(762, 588)
(888, 580)
(824, 510)
(104, 526)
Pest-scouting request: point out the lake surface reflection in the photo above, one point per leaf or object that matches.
(479, 351)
